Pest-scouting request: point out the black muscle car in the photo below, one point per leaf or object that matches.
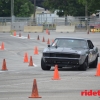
(70, 52)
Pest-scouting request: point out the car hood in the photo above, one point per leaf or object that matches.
(65, 50)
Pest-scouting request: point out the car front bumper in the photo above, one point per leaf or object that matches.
(62, 62)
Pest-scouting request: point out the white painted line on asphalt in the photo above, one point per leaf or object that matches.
(22, 37)
(35, 65)
(1, 71)
(32, 38)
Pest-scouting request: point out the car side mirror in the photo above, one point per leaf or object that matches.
(48, 45)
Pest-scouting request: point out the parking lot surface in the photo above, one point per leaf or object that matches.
(16, 82)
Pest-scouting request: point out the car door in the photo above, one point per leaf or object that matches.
(92, 52)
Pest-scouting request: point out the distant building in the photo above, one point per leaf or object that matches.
(40, 10)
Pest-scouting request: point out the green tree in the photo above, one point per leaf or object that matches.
(69, 7)
(73, 7)
(5, 8)
(22, 8)
(92, 5)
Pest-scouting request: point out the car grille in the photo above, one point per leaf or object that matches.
(61, 61)
(61, 55)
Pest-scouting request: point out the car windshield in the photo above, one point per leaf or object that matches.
(70, 43)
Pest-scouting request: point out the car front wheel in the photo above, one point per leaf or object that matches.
(94, 64)
(84, 66)
(43, 65)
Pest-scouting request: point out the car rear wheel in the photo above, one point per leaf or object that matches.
(84, 66)
(94, 64)
(43, 65)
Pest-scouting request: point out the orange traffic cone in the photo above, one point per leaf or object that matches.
(28, 36)
(47, 31)
(38, 38)
(19, 34)
(2, 46)
(36, 51)
(14, 33)
(4, 65)
(48, 42)
(43, 40)
(98, 70)
(26, 58)
(56, 74)
(31, 61)
(35, 93)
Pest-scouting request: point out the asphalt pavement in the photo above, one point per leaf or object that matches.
(16, 83)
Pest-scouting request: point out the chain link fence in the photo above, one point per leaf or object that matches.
(81, 23)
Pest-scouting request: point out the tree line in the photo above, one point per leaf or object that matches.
(25, 8)
(22, 8)
(73, 7)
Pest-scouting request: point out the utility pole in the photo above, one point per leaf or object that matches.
(34, 7)
(12, 13)
(86, 15)
(34, 12)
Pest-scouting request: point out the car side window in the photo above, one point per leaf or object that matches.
(90, 44)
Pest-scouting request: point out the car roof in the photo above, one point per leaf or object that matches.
(72, 38)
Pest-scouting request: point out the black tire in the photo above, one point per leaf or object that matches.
(94, 64)
(43, 65)
(84, 66)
